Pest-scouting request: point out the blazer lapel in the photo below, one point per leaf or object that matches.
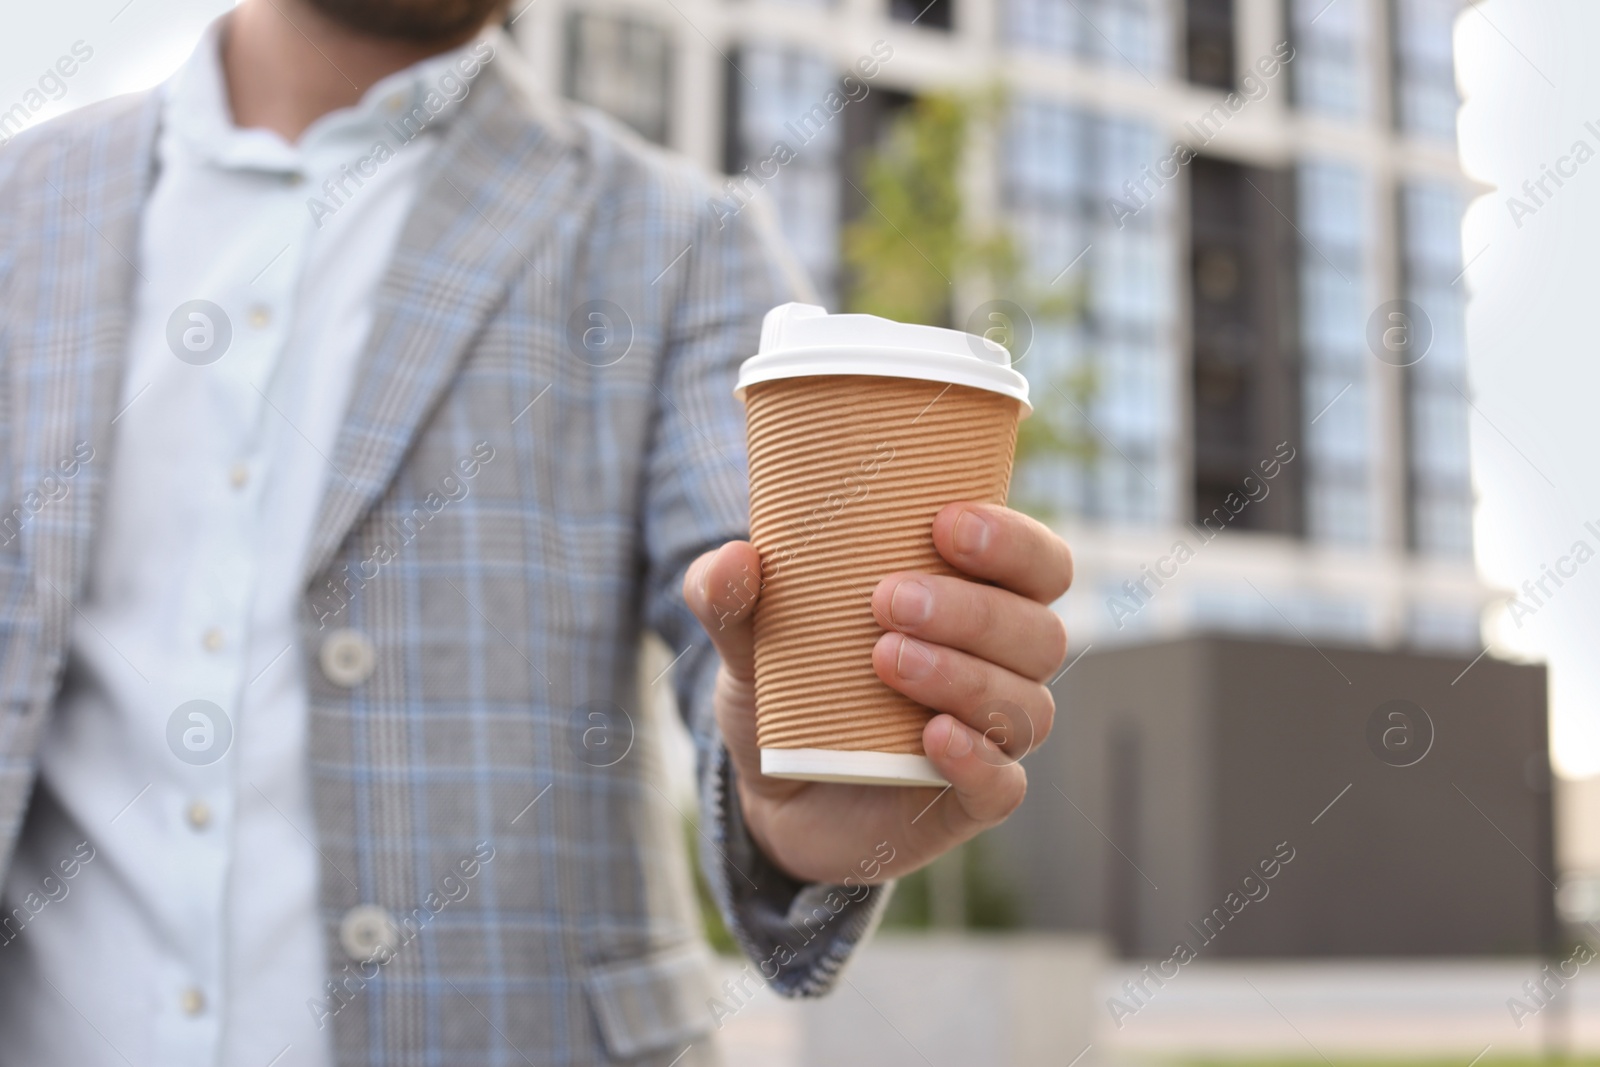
(64, 380)
(503, 178)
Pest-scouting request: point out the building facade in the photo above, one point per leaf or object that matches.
(1255, 205)
(1218, 763)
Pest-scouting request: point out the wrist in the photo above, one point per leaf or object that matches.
(756, 812)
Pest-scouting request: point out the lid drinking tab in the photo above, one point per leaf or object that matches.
(781, 325)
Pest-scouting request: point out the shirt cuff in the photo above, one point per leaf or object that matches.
(799, 934)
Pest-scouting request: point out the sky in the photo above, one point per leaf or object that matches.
(1530, 84)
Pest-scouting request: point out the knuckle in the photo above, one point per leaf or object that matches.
(1056, 636)
(1018, 794)
(976, 682)
(977, 613)
(1068, 567)
(1045, 721)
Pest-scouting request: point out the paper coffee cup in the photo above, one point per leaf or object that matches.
(860, 431)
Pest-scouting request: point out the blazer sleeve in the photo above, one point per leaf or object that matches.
(799, 935)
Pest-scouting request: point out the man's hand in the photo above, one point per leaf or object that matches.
(979, 654)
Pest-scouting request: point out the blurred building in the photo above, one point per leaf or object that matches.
(1578, 849)
(1260, 425)
(1243, 797)
(1232, 302)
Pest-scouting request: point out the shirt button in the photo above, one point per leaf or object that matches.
(193, 1002)
(260, 316)
(347, 658)
(238, 475)
(212, 639)
(367, 931)
(199, 814)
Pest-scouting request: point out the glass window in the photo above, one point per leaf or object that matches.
(804, 192)
(1321, 615)
(1335, 400)
(1126, 32)
(1132, 618)
(929, 14)
(1230, 610)
(1105, 375)
(1436, 386)
(1425, 79)
(1331, 69)
(1209, 29)
(1304, 614)
(623, 67)
(1443, 628)
(1048, 25)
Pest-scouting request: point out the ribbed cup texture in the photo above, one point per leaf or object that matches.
(846, 475)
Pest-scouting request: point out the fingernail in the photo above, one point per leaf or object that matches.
(971, 533)
(912, 663)
(959, 743)
(911, 603)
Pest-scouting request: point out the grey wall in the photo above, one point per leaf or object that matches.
(1241, 744)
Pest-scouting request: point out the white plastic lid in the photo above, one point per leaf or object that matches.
(800, 340)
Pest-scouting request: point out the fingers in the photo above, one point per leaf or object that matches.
(721, 588)
(986, 789)
(1006, 547)
(997, 625)
(1014, 714)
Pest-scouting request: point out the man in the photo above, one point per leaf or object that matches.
(337, 528)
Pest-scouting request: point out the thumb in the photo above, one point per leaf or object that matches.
(721, 588)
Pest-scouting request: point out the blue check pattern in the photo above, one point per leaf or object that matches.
(503, 709)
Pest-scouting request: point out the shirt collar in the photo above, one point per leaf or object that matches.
(424, 96)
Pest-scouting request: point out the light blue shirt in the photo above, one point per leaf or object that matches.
(162, 909)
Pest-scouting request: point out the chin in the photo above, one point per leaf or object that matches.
(417, 21)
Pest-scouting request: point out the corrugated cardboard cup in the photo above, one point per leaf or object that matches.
(860, 431)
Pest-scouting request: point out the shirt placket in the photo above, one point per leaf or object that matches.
(217, 604)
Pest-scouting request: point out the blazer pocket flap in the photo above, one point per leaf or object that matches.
(651, 1002)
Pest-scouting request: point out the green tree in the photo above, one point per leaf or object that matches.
(913, 243)
(910, 244)
(985, 902)
(715, 930)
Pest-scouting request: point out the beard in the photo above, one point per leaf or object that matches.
(416, 21)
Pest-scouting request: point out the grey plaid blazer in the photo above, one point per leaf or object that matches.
(489, 798)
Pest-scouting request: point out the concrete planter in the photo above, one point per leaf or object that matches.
(948, 1000)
